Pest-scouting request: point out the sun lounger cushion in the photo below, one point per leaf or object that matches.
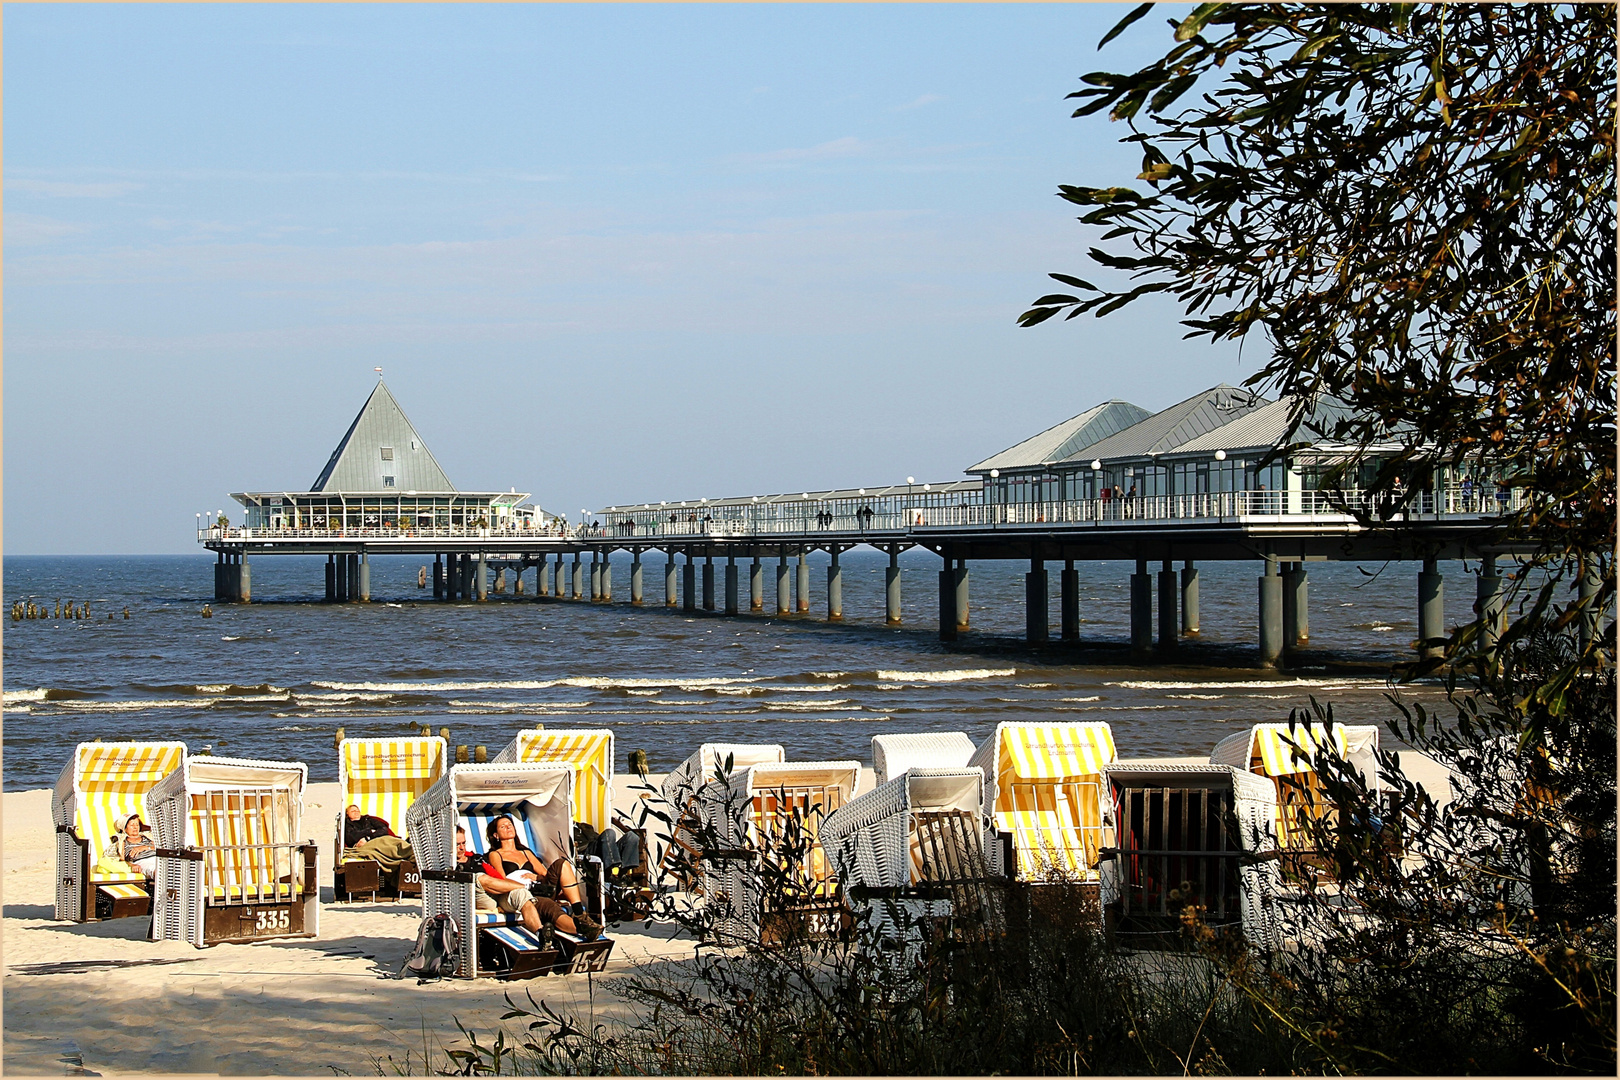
(127, 891)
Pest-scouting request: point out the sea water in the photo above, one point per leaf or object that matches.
(276, 678)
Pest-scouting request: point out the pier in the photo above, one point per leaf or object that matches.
(1166, 491)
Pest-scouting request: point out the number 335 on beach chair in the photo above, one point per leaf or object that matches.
(231, 864)
(100, 785)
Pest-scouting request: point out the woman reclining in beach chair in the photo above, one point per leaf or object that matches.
(522, 884)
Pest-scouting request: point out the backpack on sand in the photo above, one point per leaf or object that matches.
(434, 956)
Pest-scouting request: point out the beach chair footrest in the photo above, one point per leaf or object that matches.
(122, 901)
(582, 956)
(513, 952)
(359, 876)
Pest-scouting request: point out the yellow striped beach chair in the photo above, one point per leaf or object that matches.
(383, 777)
(1043, 785)
(588, 751)
(231, 863)
(1287, 756)
(100, 784)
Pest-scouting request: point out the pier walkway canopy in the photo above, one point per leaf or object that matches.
(382, 480)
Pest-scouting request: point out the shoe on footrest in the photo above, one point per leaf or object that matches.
(587, 928)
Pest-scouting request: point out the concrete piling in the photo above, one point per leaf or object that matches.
(1169, 625)
(481, 578)
(1069, 602)
(803, 583)
(1189, 597)
(607, 577)
(731, 583)
(362, 582)
(959, 581)
(1296, 606)
(635, 576)
(947, 603)
(1488, 602)
(1141, 611)
(670, 588)
(438, 577)
(689, 585)
(1271, 614)
(331, 580)
(835, 587)
(756, 585)
(891, 587)
(579, 578)
(1431, 609)
(1036, 625)
(708, 583)
(596, 576)
(784, 598)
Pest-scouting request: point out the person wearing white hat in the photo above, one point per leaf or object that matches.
(135, 845)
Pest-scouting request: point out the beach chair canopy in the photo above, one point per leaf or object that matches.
(883, 839)
(104, 781)
(245, 816)
(385, 776)
(1280, 750)
(894, 754)
(1043, 785)
(686, 779)
(588, 751)
(761, 799)
(539, 798)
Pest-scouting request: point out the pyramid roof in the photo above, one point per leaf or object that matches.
(1066, 439)
(381, 442)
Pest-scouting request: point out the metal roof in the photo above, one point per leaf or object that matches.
(1066, 439)
(1176, 426)
(918, 490)
(381, 442)
(1267, 427)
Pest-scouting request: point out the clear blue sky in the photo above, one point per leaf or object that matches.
(603, 253)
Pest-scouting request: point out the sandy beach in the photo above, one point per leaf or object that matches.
(296, 1007)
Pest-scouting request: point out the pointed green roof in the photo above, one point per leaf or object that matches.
(382, 443)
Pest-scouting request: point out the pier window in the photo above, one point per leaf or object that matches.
(388, 453)
(388, 481)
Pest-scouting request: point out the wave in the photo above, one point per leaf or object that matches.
(1093, 697)
(229, 637)
(653, 693)
(357, 695)
(550, 705)
(1205, 697)
(232, 688)
(1035, 685)
(956, 675)
(1254, 684)
(15, 697)
(587, 682)
(784, 706)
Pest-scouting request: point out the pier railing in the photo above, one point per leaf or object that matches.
(904, 513)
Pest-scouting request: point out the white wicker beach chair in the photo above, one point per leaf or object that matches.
(539, 798)
(753, 814)
(894, 754)
(1287, 758)
(1175, 832)
(100, 784)
(1043, 783)
(682, 787)
(383, 777)
(910, 853)
(232, 865)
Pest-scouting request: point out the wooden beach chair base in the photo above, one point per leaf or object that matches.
(579, 956)
(122, 901)
(514, 952)
(359, 877)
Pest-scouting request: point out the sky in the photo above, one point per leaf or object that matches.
(604, 254)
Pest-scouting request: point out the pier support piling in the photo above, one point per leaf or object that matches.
(1036, 626)
(559, 578)
(803, 583)
(708, 583)
(731, 583)
(363, 584)
(1169, 626)
(500, 581)
(784, 598)
(635, 576)
(1141, 611)
(1271, 614)
(1431, 609)
(540, 579)
(331, 580)
(756, 585)
(1189, 597)
(835, 587)
(596, 576)
(1069, 602)
(670, 588)
(947, 601)
(481, 578)
(1296, 606)
(579, 578)
(689, 584)
(607, 577)
(959, 578)
(891, 587)
(1591, 585)
(1488, 603)
(438, 577)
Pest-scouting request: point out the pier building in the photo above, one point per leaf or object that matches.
(1218, 476)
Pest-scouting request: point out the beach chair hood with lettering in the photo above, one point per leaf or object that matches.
(232, 862)
(100, 784)
(1043, 789)
(587, 751)
(911, 851)
(384, 777)
(540, 800)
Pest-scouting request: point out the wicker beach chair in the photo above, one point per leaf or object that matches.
(910, 856)
(589, 752)
(1189, 835)
(681, 790)
(539, 798)
(1287, 758)
(231, 865)
(1043, 785)
(100, 784)
(894, 754)
(383, 777)
(756, 814)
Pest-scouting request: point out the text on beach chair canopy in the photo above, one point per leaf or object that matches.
(588, 751)
(472, 795)
(385, 776)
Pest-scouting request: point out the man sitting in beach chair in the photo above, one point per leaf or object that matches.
(368, 837)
